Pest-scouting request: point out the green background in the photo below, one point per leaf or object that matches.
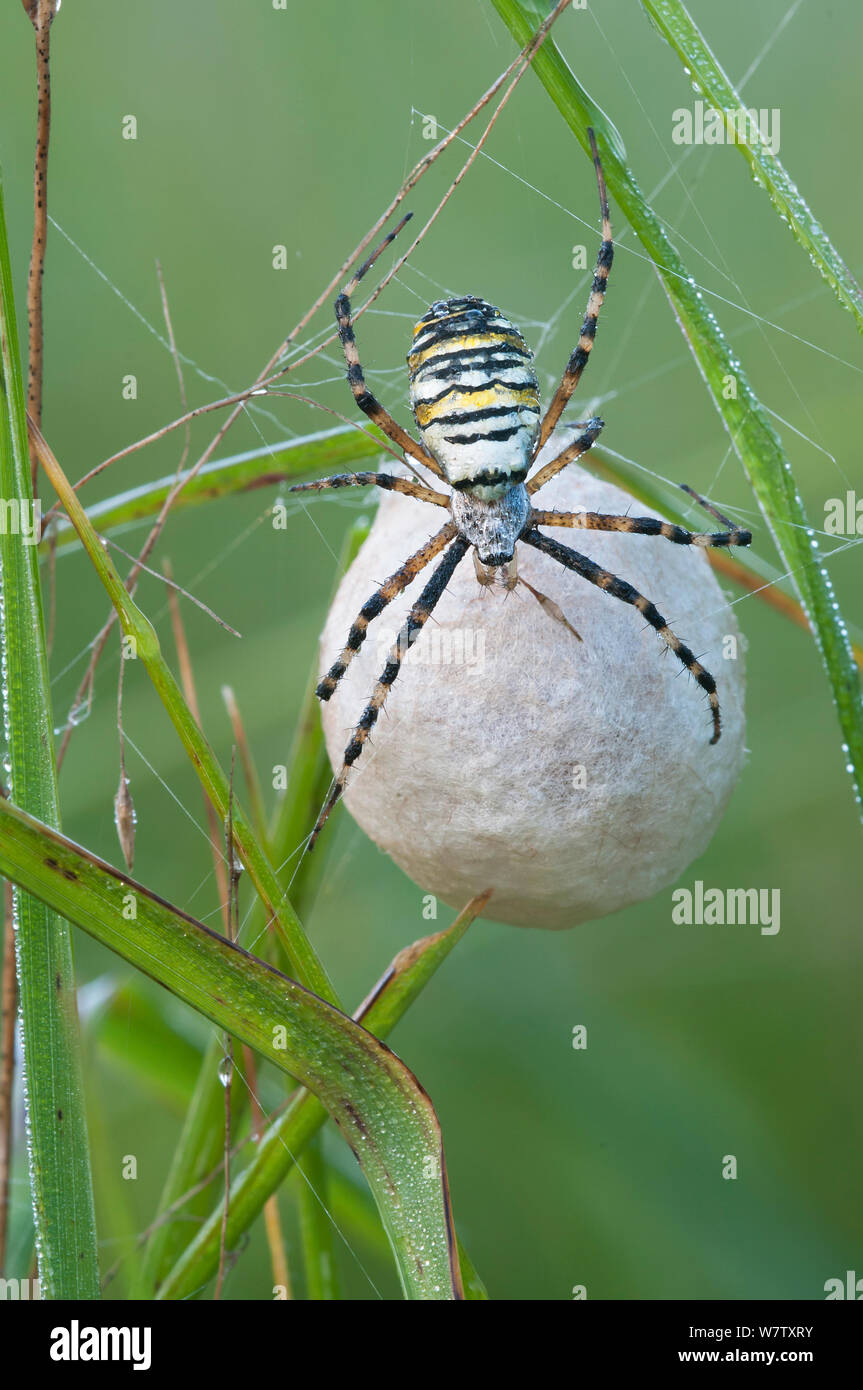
(258, 127)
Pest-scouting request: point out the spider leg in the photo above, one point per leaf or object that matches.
(642, 526)
(578, 360)
(619, 588)
(390, 481)
(413, 626)
(368, 403)
(580, 445)
(389, 590)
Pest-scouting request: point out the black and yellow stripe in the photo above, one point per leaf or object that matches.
(474, 395)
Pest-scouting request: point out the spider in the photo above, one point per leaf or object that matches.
(475, 398)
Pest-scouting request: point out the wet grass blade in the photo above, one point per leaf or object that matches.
(342, 449)
(676, 25)
(756, 578)
(200, 1142)
(750, 431)
(355, 1214)
(381, 1110)
(145, 643)
(338, 450)
(310, 774)
(60, 1178)
(288, 1135)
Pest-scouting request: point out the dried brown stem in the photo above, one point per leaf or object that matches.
(41, 13)
(178, 366)
(187, 680)
(253, 786)
(178, 588)
(519, 65)
(272, 1217)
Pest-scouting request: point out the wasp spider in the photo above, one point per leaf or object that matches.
(475, 398)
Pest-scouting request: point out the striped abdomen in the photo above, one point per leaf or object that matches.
(474, 395)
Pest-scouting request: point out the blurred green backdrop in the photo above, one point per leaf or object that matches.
(258, 127)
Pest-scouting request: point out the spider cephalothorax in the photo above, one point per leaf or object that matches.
(475, 399)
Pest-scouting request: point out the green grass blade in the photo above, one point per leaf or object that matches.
(354, 1213)
(200, 1143)
(382, 1111)
(310, 772)
(677, 27)
(304, 962)
(475, 1290)
(288, 1135)
(313, 456)
(338, 450)
(750, 431)
(60, 1178)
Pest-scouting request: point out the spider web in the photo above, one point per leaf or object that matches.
(605, 390)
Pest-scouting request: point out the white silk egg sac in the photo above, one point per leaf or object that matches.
(573, 778)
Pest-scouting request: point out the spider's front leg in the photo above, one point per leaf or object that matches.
(581, 353)
(619, 588)
(368, 403)
(413, 626)
(390, 482)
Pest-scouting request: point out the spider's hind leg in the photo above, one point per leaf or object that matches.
(619, 588)
(413, 626)
(647, 526)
